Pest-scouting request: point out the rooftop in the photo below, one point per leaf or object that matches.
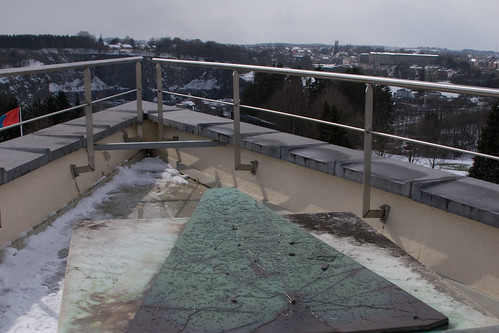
(315, 185)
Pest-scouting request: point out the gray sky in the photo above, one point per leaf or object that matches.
(453, 24)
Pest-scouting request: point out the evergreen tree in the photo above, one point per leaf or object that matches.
(332, 134)
(484, 168)
(430, 129)
(383, 109)
(61, 102)
(7, 103)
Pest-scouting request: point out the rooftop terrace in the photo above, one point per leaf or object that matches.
(432, 213)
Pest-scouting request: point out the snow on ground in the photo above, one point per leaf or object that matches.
(458, 166)
(199, 84)
(32, 63)
(32, 278)
(77, 86)
(248, 77)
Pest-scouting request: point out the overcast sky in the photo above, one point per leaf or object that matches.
(453, 24)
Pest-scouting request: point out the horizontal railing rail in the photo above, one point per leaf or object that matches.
(67, 66)
(362, 130)
(367, 130)
(409, 84)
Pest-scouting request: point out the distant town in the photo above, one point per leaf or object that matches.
(449, 119)
(426, 64)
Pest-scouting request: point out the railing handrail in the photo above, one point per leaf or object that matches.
(7, 72)
(367, 79)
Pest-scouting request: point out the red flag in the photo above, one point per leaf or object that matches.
(9, 118)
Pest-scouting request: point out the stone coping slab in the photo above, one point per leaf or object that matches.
(112, 121)
(325, 157)
(56, 145)
(16, 163)
(278, 144)
(186, 120)
(466, 197)
(393, 176)
(225, 132)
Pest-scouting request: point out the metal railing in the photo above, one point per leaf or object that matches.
(236, 68)
(368, 132)
(88, 102)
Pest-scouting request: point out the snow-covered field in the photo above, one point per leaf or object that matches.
(458, 166)
(32, 278)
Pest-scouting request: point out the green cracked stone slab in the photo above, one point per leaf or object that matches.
(240, 267)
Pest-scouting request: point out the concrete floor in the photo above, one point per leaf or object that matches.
(107, 257)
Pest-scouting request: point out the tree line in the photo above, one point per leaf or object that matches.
(210, 51)
(34, 42)
(452, 124)
(334, 101)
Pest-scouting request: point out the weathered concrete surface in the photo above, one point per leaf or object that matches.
(110, 268)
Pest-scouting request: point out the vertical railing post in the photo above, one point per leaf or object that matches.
(367, 212)
(138, 86)
(237, 120)
(21, 120)
(159, 83)
(368, 123)
(237, 128)
(76, 170)
(87, 80)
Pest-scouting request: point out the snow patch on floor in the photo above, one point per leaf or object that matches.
(32, 278)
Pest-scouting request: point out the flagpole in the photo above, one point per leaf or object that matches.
(21, 120)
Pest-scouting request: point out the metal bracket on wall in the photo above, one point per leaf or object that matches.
(248, 167)
(75, 171)
(381, 213)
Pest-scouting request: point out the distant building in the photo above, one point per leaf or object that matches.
(389, 58)
(364, 58)
(336, 48)
(403, 93)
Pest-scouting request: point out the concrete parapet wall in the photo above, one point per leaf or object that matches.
(470, 198)
(453, 233)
